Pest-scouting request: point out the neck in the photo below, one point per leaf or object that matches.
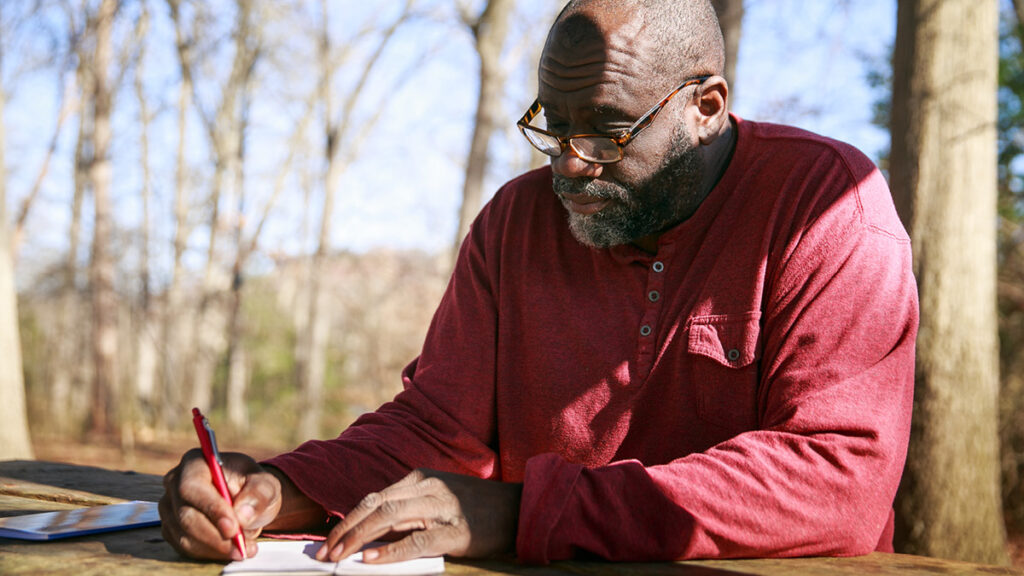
(716, 157)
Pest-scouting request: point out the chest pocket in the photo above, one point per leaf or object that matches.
(725, 350)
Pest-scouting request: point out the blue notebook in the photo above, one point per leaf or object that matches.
(80, 521)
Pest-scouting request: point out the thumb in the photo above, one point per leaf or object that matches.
(258, 502)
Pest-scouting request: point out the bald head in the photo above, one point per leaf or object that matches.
(683, 36)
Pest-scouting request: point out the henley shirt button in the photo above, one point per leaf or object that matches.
(645, 330)
(734, 355)
(659, 267)
(653, 296)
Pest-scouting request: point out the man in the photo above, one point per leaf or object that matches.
(713, 357)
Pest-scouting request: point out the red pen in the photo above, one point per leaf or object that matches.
(208, 442)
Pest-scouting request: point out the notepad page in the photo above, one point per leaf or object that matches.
(298, 557)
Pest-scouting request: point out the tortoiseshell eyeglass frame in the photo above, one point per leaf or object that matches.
(619, 141)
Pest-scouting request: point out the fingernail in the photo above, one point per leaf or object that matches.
(337, 551)
(371, 554)
(246, 514)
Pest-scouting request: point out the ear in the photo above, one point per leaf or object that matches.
(712, 109)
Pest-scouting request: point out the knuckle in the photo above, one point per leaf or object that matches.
(183, 544)
(418, 542)
(389, 509)
(434, 484)
(371, 501)
(188, 518)
(360, 533)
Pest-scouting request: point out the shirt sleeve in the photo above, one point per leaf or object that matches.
(819, 474)
(431, 423)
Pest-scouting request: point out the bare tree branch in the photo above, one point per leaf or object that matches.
(341, 127)
(68, 104)
(293, 146)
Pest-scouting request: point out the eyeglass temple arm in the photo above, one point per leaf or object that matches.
(532, 113)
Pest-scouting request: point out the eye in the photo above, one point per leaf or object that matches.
(556, 126)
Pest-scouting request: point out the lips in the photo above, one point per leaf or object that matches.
(584, 204)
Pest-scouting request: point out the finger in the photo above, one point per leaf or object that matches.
(390, 515)
(257, 502)
(191, 533)
(433, 542)
(195, 490)
(366, 506)
(404, 488)
(188, 531)
(413, 514)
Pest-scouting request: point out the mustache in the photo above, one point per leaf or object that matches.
(595, 188)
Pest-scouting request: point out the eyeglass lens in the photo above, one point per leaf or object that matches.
(589, 149)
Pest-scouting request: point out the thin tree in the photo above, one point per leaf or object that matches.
(142, 399)
(106, 381)
(1011, 266)
(14, 437)
(730, 16)
(221, 128)
(174, 352)
(311, 344)
(237, 384)
(68, 380)
(237, 373)
(943, 176)
(489, 28)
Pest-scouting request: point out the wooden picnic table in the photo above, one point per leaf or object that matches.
(32, 486)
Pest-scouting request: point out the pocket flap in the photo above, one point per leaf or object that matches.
(729, 339)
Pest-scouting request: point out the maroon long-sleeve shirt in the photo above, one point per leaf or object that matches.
(745, 391)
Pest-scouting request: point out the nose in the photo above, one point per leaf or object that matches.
(572, 166)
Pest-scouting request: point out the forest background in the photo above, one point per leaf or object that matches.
(253, 206)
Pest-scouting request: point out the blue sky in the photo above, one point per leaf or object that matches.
(802, 62)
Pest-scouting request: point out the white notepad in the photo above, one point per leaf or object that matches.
(298, 557)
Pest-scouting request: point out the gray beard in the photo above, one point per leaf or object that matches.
(668, 197)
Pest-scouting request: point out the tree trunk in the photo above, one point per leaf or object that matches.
(489, 30)
(106, 385)
(238, 377)
(14, 438)
(944, 180)
(311, 343)
(311, 359)
(210, 325)
(730, 16)
(68, 380)
(143, 399)
(174, 341)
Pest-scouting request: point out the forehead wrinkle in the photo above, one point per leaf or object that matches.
(590, 69)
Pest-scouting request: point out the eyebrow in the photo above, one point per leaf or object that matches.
(610, 110)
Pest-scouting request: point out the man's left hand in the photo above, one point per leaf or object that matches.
(439, 513)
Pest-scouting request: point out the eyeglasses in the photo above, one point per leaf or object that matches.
(594, 148)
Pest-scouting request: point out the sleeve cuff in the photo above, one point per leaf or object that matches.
(547, 491)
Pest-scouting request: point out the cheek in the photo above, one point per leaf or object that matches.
(632, 170)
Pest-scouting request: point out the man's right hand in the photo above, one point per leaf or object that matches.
(198, 522)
